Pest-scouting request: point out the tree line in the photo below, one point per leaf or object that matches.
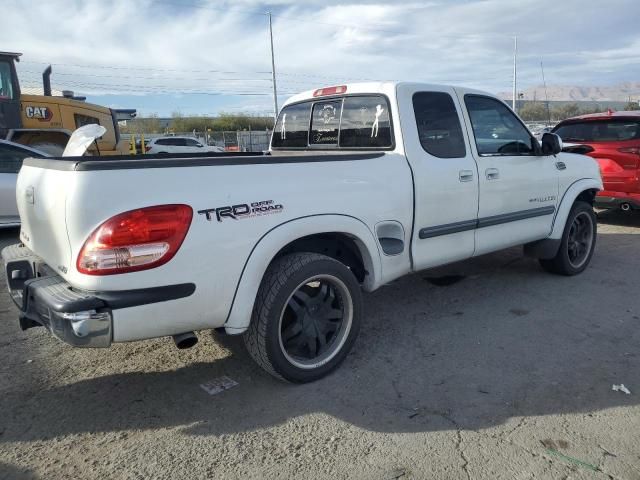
(181, 124)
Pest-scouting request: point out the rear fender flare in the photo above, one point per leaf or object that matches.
(273, 241)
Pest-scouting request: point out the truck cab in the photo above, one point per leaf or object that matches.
(9, 93)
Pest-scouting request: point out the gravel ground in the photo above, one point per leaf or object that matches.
(489, 368)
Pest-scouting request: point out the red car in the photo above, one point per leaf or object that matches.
(613, 139)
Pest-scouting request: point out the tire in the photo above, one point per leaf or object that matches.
(306, 317)
(53, 149)
(577, 244)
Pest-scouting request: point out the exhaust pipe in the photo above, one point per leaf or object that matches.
(625, 207)
(185, 340)
(46, 81)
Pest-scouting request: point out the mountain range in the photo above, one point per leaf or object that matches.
(622, 92)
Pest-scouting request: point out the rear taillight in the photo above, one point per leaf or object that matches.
(135, 240)
(634, 150)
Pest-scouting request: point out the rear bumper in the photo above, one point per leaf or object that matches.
(616, 200)
(77, 317)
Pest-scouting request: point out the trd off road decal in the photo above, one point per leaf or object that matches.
(44, 114)
(242, 210)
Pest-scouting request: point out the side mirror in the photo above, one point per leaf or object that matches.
(551, 144)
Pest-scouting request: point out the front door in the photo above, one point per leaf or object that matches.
(445, 175)
(518, 186)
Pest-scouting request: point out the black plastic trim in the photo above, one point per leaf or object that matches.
(545, 249)
(457, 227)
(448, 229)
(127, 163)
(145, 296)
(515, 216)
(51, 290)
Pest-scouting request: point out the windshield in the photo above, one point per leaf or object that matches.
(611, 130)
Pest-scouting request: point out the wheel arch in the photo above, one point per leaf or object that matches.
(584, 189)
(345, 238)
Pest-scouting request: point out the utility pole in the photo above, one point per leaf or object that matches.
(515, 73)
(273, 74)
(546, 96)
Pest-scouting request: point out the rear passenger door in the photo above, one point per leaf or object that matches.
(518, 186)
(445, 175)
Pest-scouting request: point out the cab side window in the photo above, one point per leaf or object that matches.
(439, 127)
(6, 87)
(496, 129)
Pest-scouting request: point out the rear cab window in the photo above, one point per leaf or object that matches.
(351, 122)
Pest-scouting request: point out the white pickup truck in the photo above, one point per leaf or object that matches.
(363, 183)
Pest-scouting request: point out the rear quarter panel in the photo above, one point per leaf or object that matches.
(215, 252)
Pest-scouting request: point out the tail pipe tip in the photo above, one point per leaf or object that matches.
(625, 207)
(185, 340)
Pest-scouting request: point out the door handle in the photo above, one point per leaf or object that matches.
(465, 175)
(492, 173)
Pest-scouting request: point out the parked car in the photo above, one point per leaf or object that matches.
(613, 139)
(179, 145)
(365, 183)
(11, 157)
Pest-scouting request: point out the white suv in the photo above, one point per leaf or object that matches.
(179, 145)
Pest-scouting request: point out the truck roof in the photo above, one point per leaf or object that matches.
(385, 88)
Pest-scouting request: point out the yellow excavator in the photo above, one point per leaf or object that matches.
(45, 122)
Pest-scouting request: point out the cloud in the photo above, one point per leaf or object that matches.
(166, 47)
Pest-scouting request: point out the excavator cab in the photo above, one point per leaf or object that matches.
(9, 93)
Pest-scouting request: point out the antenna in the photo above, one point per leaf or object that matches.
(273, 73)
(546, 97)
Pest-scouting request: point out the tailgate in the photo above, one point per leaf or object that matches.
(41, 195)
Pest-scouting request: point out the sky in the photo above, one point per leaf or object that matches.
(204, 57)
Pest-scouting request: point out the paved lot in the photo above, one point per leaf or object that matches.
(503, 374)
